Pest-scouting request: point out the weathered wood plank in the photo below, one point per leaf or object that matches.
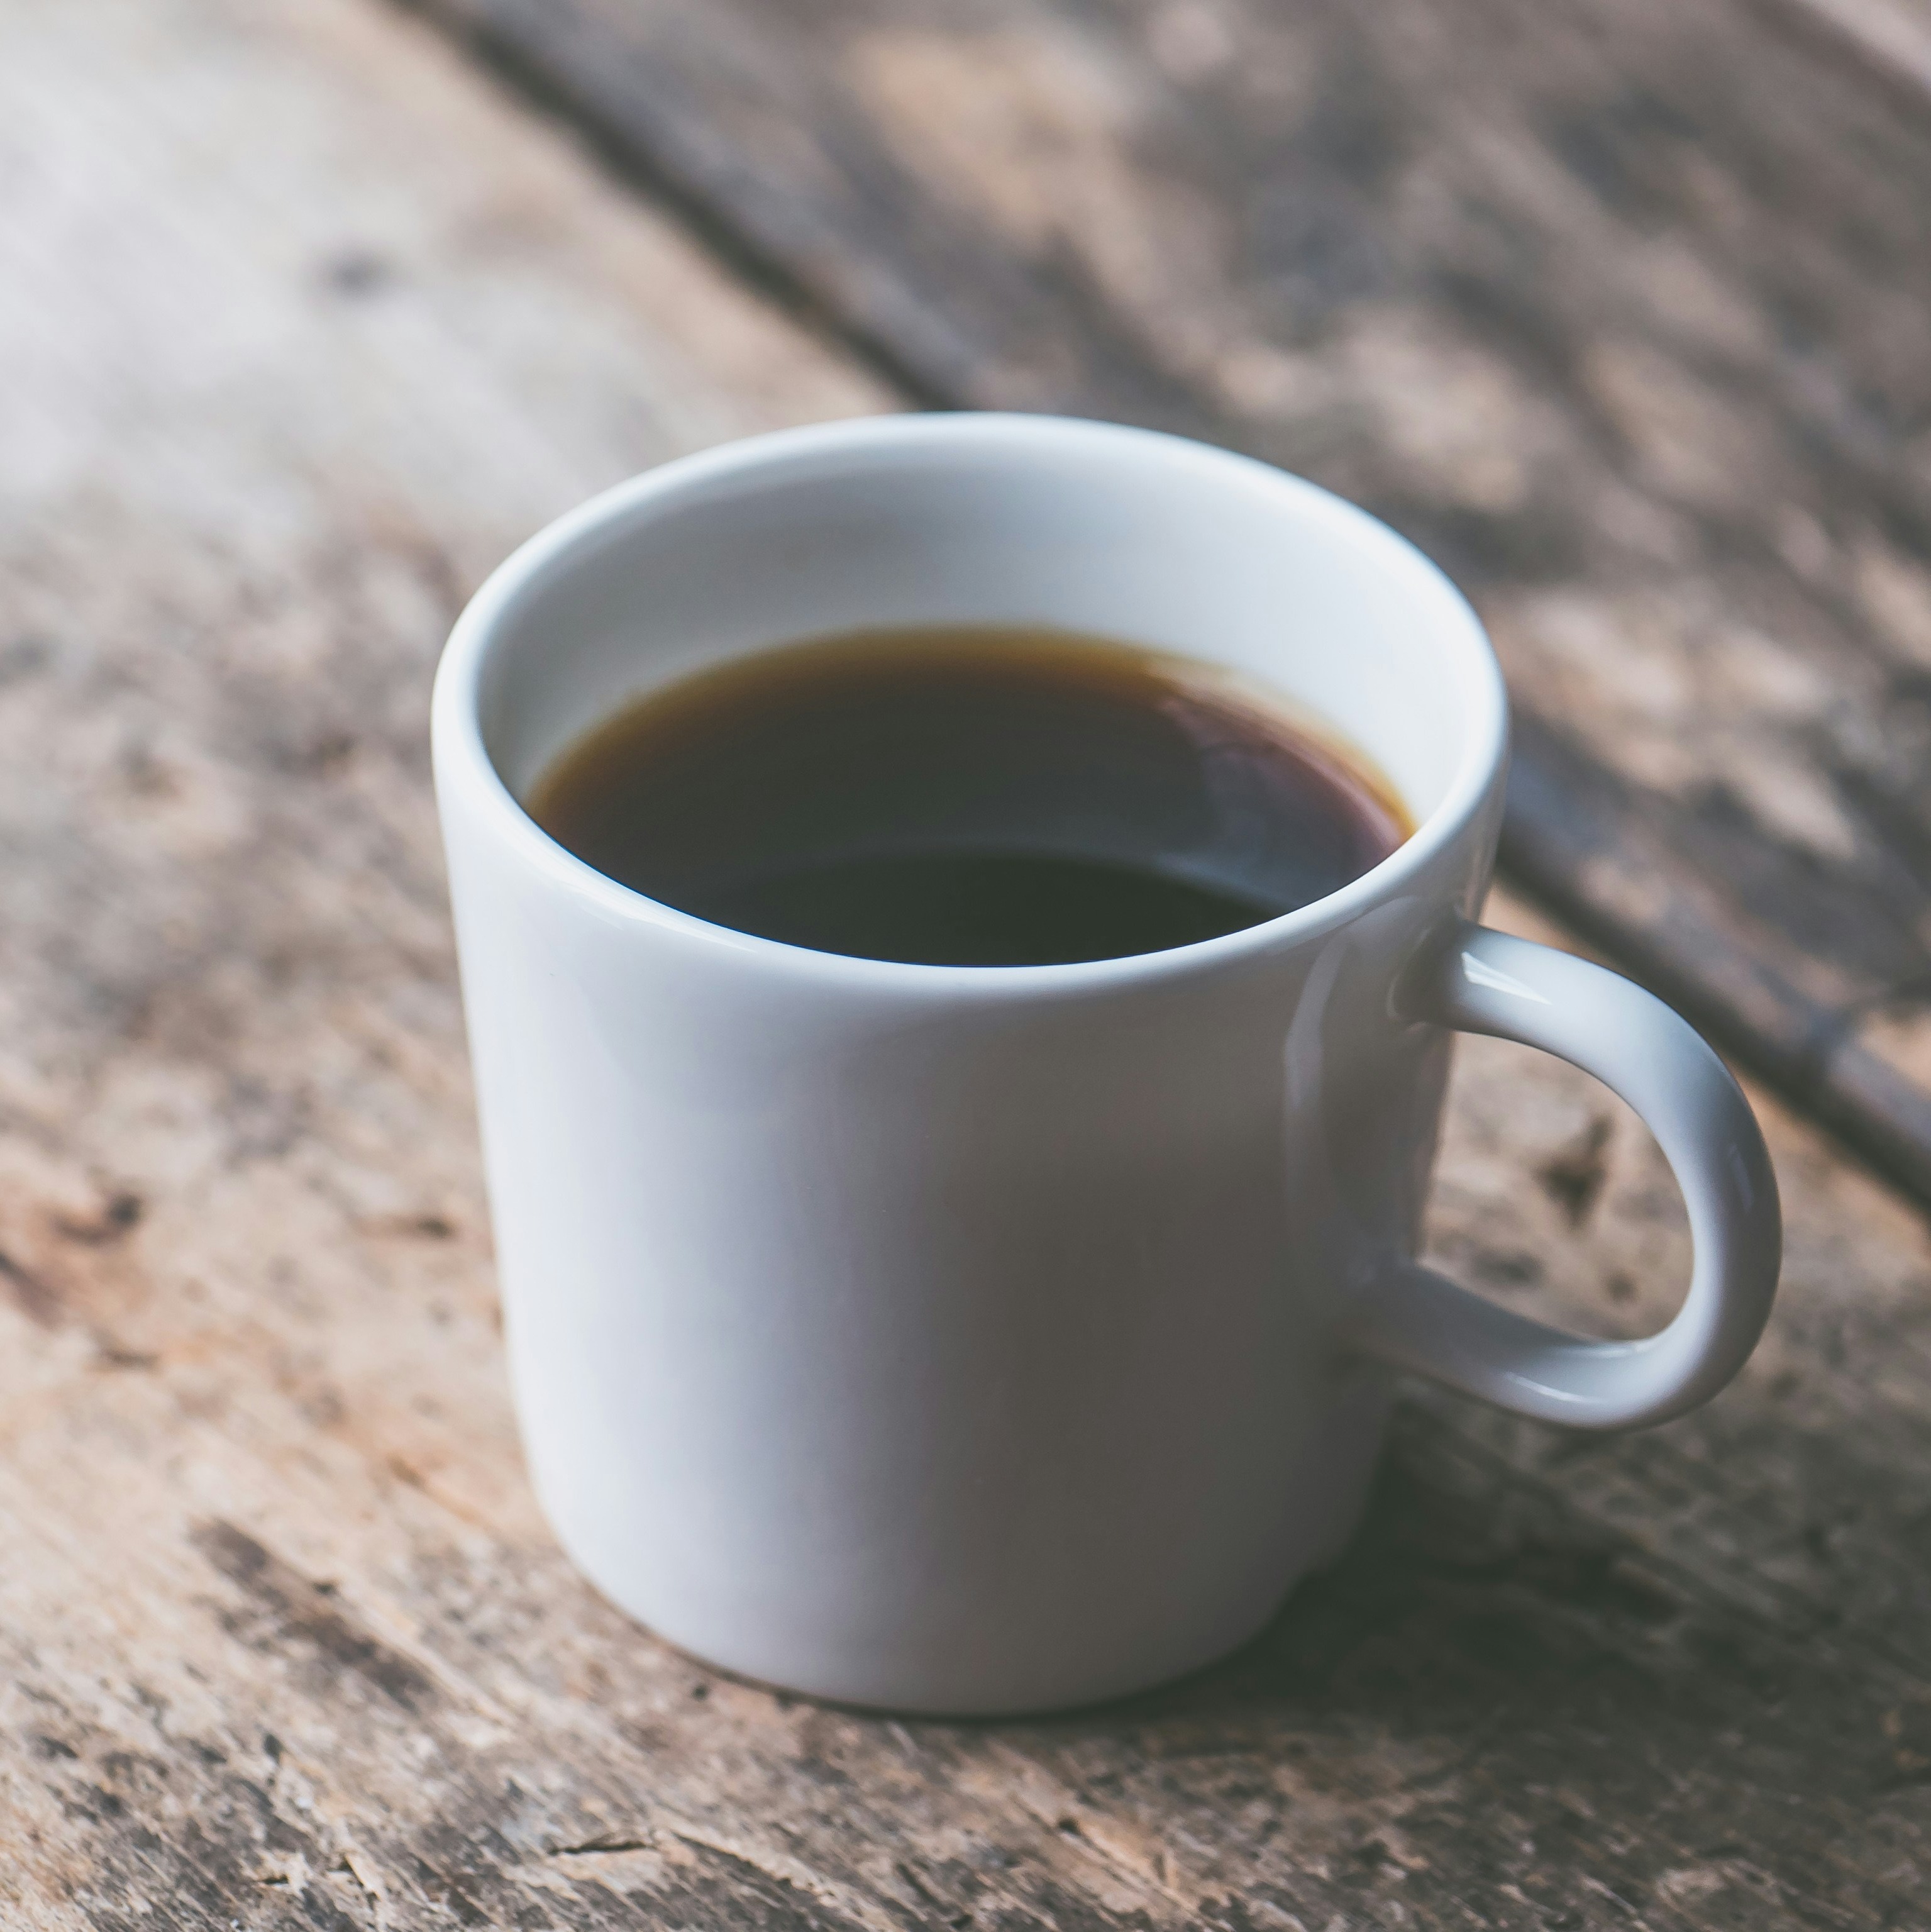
(314, 328)
(1618, 306)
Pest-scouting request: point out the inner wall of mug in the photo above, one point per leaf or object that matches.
(1005, 520)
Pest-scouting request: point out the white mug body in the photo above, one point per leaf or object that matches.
(961, 1340)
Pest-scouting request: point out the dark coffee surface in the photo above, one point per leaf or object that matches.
(967, 797)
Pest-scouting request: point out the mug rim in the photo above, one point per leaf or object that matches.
(461, 757)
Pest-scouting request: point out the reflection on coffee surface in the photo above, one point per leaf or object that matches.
(968, 795)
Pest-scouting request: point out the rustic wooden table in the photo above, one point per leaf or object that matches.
(309, 309)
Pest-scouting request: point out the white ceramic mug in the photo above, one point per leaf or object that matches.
(984, 1338)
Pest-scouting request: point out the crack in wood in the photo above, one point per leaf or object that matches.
(302, 1613)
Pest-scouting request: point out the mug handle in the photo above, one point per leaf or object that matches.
(1486, 981)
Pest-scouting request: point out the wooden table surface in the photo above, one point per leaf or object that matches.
(307, 313)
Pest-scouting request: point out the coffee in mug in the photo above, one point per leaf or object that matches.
(970, 795)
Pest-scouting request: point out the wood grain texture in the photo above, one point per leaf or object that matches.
(1618, 307)
(315, 328)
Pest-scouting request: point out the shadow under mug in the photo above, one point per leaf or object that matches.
(976, 1340)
